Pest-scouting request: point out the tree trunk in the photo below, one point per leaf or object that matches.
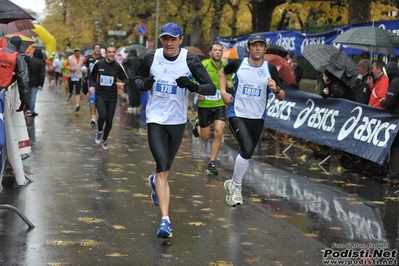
(262, 11)
(216, 19)
(196, 22)
(359, 11)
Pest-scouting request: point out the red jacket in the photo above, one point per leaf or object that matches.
(379, 91)
(7, 67)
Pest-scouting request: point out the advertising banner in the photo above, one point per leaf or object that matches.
(295, 41)
(355, 128)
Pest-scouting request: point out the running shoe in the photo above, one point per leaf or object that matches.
(104, 145)
(77, 108)
(68, 97)
(97, 138)
(212, 169)
(229, 192)
(165, 229)
(93, 121)
(233, 194)
(154, 197)
(195, 128)
(237, 197)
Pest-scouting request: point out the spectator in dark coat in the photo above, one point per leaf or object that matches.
(391, 102)
(131, 65)
(37, 74)
(298, 71)
(362, 90)
(336, 88)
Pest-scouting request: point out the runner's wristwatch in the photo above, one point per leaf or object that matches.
(278, 90)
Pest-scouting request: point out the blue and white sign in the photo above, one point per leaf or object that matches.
(295, 41)
(141, 29)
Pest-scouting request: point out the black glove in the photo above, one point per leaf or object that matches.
(185, 82)
(22, 107)
(147, 84)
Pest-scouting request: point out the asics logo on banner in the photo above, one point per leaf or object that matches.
(394, 31)
(366, 129)
(316, 117)
(279, 109)
(312, 40)
(287, 42)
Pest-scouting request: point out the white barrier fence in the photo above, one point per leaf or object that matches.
(17, 139)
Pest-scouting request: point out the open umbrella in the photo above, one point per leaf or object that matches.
(276, 49)
(195, 50)
(337, 62)
(88, 52)
(26, 41)
(370, 39)
(10, 12)
(285, 71)
(230, 53)
(141, 49)
(17, 25)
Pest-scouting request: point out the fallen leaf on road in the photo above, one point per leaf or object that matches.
(280, 216)
(197, 223)
(118, 227)
(311, 235)
(89, 243)
(252, 260)
(139, 195)
(116, 255)
(220, 263)
(60, 243)
(90, 220)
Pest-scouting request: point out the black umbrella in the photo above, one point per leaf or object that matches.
(371, 39)
(337, 62)
(141, 49)
(276, 49)
(10, 12)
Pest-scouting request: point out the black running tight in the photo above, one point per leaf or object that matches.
(106, 111)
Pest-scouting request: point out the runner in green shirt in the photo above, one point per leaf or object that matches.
(211, 108)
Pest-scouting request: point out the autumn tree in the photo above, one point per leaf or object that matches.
(262, 11)
(83, 22)
(359, 10)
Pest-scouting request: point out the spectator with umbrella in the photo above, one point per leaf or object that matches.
(13, 67)
(335, 88)
(362, 90)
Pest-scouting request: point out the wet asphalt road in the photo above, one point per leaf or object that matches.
(92, 207)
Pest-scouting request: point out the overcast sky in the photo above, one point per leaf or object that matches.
(35, 5)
